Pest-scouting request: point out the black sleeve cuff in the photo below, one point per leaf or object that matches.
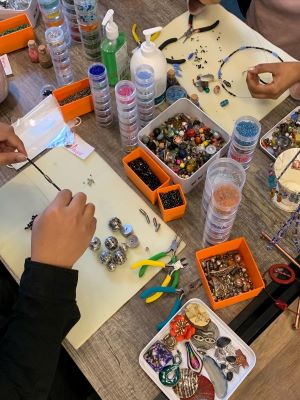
(46, 281)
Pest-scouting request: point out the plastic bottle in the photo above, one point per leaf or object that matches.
(114, 51)
(44, 57)
(33, 51)
(149, 54)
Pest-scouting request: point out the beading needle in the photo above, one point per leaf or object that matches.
(44, 175)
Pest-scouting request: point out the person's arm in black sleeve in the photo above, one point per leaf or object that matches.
(244, 5)
(45, 312)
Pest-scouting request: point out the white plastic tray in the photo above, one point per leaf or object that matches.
(224, 329)
(268, 135)
(184, 106)
(32, 12)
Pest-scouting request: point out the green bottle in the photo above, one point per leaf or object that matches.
(114, 51)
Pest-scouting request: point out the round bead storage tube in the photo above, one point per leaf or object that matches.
(244, 139)
(145, 87)
(101, 95)
(222, 170)
(70, 14)
(59, 52)
(129, 123)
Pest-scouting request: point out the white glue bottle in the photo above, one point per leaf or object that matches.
(149, 54)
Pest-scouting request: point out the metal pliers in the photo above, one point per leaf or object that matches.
(176, 306)
(187, 34)
(172, 249)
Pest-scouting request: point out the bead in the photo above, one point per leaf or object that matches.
(105, 256)
(95, 244)
(111, 243)
(224, 103)
(182, 165)
(115, 224)
(132, 241)
(119, 257)
(111, 266)
(217, 89)
(127, 230)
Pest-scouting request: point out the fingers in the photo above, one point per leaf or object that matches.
(14, 141)
(89, 210)
(11, 158)
(262, 68)
(63, 198)
(78, 202)
(259, 90)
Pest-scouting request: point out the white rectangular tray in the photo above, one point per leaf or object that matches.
(224, 329)
(184, 106)
(268, 135)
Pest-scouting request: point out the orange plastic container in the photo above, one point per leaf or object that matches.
(16, 40)
(77, 107)
(155, 168)
(168, 214)
(241, 245)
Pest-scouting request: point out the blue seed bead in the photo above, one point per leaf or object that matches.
(224, 103)
(247, 128)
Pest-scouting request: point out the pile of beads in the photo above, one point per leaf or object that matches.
(75, 96)
(142, 169)
(171, 199)
(183, 144)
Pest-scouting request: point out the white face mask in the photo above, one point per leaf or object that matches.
(43, 128)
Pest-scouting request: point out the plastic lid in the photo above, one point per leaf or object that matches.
(148, 46)
(31, 43)
(54, 35)
(111, 28)
(42, 48)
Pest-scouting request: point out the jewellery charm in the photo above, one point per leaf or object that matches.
(216, 375)
(119, 257)
(170, 342)
(241, 359)
(105, 256)
(111, 243)
(181, 328)
(194, 362)
(145, 215)
(95, 244)
(170, 374)
(197, 315)
(158, 356)
(132, 241)
(126, 230)
(111, 266)
(187, 384)
(115, 224)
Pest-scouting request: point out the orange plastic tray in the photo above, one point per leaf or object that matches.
(155, 168)
(77, 107)
(171, 213)
(241, 245)
(16, 40)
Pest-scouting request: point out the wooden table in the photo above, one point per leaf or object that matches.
(109, 359)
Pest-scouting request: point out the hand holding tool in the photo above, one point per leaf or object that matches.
(44, 175)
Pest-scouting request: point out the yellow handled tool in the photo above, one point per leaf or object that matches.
(137, 38)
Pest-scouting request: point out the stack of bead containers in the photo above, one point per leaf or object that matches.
(60, 55)
(224, 182)
(89, 27)
(145, 91)
(100, 92)
(244, 139)
(70, 14)
(53, 16)
(129, 123)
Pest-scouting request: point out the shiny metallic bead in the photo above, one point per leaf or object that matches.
(119, 257)
(132, 241)
(127, 230)
(111, 266)
(115, 224)
(105, 256)
(95, 244)
(123, 246)
(111, 243)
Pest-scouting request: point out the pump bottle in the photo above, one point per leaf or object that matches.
(114, 51)
(149, 54)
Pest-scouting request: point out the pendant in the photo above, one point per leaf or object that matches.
(187, 384)
(170, 375)
(194, 362)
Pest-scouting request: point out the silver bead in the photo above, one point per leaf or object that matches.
(123, 247)
(111, 243)
(119, 257)
(127, 230)
(132, 241)
(95, 244)
(105, 256)
(115, 224)
(111, 266)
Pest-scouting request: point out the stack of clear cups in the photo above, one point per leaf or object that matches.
(244, 139)
(222, 170)
(60, 55)
(89, 27)
(53, 16)
(128, 114)
(145, 91)
(222, 210)
(70, 14)
(100, 92)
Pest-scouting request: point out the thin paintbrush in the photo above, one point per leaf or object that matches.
(44, 175)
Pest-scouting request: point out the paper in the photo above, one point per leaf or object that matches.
(6, 65)
(80, 148)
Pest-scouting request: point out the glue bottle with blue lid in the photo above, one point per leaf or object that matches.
(149, 54)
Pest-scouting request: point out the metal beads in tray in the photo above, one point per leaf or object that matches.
(283, 136)
(196, 355)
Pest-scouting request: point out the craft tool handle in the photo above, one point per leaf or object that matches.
(157, 295)
(156, 257)
(176, 307)
(148, 292)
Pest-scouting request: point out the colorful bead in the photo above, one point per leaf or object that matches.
(224, 103)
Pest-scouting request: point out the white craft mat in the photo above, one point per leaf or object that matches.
(99, 293)
(233, 34)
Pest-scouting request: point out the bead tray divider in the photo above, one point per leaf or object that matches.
(225, 330)
(268, 135)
